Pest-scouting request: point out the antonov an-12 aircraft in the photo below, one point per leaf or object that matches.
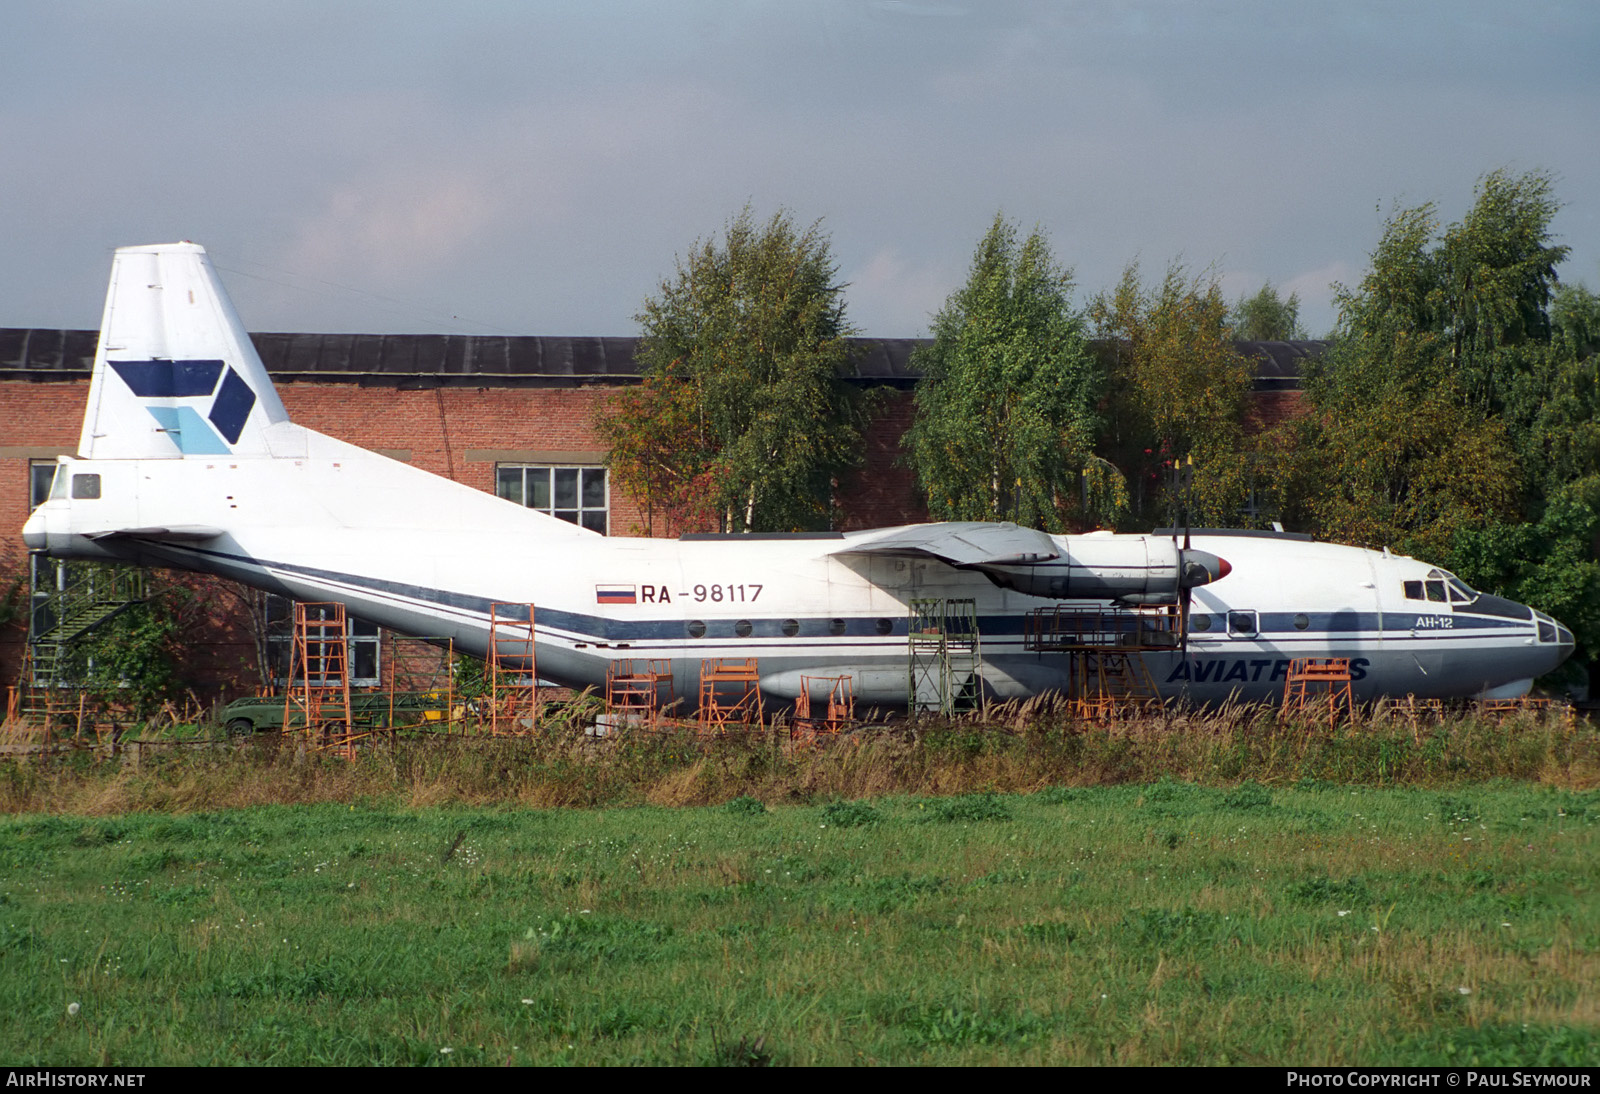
(188, 460)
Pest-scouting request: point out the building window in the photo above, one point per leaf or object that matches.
(575, 494)
(46, 576)
(362, 644)
(40, 475)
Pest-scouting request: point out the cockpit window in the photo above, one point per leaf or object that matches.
(86, 487)
(1440, 588)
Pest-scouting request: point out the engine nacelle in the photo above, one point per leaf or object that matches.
(1136, 569)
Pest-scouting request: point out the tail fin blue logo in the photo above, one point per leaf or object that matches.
(231, 401)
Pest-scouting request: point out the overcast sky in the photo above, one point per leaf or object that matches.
(534, 168)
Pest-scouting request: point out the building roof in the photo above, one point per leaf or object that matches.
(69, 353)
(468, 360)
(1279, 365)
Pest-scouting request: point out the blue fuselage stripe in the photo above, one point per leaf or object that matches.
(1275, 626)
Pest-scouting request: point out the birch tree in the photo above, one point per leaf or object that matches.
(1005, 407)
(744, 420)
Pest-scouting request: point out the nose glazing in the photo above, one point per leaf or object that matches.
(1555, 642)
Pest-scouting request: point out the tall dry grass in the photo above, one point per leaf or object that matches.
(1013, 749)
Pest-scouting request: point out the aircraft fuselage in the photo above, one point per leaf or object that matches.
(187, 459)
(424, 556)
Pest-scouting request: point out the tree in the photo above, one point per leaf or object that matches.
(1549, 563)
(1498, 272)
(134, 660)
(1408, 467)
(1267, 317)
(1005, 416)
(1396, 452)
(1180, 392)
(1575, 320)
(13, 600)
(1457, 416)
(742, 420)
(663, 452)
(1545, 556)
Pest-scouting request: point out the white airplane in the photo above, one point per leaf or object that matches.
(188, 460)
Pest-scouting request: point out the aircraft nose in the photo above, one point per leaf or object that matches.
(1555, 640)
(1564, 642)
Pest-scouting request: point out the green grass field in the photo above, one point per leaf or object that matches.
(1142, 924)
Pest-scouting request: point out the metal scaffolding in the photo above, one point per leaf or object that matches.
(826, 705)
(730, 693)
(317, 699)
(513, 670)
(633, 690)
(944, 657)
(84, 596)
(1319, 687)
(433, 705)
(1104, 648)
(79, 598)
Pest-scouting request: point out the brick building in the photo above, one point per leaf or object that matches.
(508, 415)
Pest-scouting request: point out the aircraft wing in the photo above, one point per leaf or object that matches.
(960, 543)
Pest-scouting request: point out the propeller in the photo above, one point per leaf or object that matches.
(1194, 567)
(1182, 590)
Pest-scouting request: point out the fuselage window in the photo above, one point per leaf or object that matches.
(1302, 621)
(1242, 624)
(791, 627)
(1200, 623)
(742, 628)
(86, 487)
(697, 629)
(885, 626)
(836, 626)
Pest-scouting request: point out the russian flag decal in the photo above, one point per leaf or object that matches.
(616, 594)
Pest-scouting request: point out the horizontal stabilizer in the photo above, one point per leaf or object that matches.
(178, 533)
(960, 543)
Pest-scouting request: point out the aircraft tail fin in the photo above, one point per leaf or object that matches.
(175, 373)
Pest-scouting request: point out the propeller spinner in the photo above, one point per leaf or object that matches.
(1197, 568)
